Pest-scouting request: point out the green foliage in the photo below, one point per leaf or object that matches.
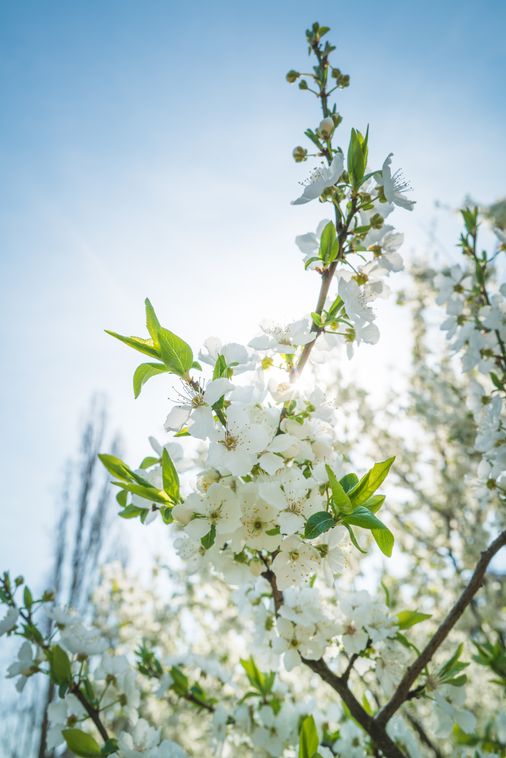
(170, 477)
(370, 482)
(357, 157)
(317, 524)
(175, 354)
(407, 619)
(80, 743)
(450, 672)
(340, 501)
(364, 518)
(329, 244)
(261, 682)
(144, 372)
(308, 738)
(59, 665)
(493, 656)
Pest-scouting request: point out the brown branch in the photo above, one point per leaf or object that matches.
(402, 691)
(376, 731)
(92, 712)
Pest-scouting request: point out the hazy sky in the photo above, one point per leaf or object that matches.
(145, 151)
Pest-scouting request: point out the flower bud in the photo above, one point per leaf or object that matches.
(292, 76)
(376, 221)
(326, 127)
(344, 81)
(303, 84)
(336, 118)
(336, 73)
(299, 154)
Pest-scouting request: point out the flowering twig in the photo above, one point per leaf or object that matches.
(402, 691)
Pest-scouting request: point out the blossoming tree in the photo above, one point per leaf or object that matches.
(263, 636)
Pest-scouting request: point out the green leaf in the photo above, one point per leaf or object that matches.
(364, 518)
(263, 683)
(357, 157)
(131, 511)
(122, 498)
(348, 482)
(143, 346)
(370, 482)
(148, 493)
(308, 738)
(27, 598)
(152, 323)
(408, 619)
(374, 503)
(220, 368)
(149, 461)
(207, 540)
(317, 524)
(329, 244)
(175, 352)
(80, 743)
(116, 467)
(340, 500)
(144, 372)
(59, 664)
(384, 540)
(170, 477)
(354, 539)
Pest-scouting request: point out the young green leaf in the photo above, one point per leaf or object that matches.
(364, 518)
(144, 372)
(152, 323)
(142, 345)
(357, 157)
(80, 743)
(329, 244)
(341, 502)
(408, 619)
(370, 482)
(175, 352)
(170, 477)
(116, 467)
(317, 524)
(308, 738)
(208, 539)
(59, 665)
(384, 540)
(348, 482)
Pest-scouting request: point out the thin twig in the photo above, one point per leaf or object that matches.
(402, 691)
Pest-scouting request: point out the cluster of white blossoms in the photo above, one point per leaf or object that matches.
(476, 328)
(256, 490)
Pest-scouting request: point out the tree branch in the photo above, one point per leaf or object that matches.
(376, 731)
(402, 691)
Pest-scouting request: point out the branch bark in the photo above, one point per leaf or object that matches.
(412, 673)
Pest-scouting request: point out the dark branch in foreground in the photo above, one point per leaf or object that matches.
(402, 691)
(376, 731)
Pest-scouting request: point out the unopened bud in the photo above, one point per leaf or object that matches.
(336, 73)
(326, 127)
(292, 76)
(344, 81)
(336, 118)
(299, 154)
(303, 84)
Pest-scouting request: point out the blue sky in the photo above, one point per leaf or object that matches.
(145, 150)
